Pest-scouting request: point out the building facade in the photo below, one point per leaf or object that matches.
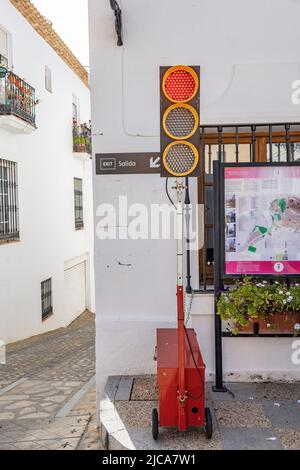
(46, 227)
(249, 63)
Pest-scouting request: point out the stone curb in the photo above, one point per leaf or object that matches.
(113, 433)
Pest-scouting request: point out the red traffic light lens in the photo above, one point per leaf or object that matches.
(180, 84)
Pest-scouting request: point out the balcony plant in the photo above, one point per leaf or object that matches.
(274, 307)
(82, 137)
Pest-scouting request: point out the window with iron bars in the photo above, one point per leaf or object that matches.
(237, 144)
(78, 204)
(9, 217)
(46, 297)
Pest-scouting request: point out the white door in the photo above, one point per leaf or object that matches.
(75, 291)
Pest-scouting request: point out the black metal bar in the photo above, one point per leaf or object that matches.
(2, 212)
(237, 145)
(260, 335)
(209, 159)
(10, 198)
(287, 140)
(220, 142)
(219, 387)
(204, 257)
(233, 125)
(253, 144)
(271, 142)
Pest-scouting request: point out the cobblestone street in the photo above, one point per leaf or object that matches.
(47, 390)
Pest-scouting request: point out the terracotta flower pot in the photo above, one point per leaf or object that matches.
(277, 323)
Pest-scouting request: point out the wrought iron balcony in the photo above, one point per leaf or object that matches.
(82, 138)
(17, 98)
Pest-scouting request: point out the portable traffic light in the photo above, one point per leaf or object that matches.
(180, 367)
(180, 131)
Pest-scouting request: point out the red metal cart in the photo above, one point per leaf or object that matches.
(180, 367)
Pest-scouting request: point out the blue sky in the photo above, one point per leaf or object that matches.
(70, 20)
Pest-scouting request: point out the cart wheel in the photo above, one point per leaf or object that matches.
(208, 423)
(155, 426)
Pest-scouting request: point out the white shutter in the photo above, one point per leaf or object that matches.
(75, 291)
(48, 79)
(3, 43)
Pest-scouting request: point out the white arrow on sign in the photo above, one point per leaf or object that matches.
(155, 162)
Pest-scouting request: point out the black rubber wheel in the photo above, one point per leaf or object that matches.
(208, 423)
(155, 425)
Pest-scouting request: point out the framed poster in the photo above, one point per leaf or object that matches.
(261, 210)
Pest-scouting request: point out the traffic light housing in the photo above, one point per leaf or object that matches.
(180, 120)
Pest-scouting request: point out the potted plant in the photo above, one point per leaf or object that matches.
(261, 307)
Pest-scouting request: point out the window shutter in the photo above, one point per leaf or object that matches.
(48, 79)
(3, 43)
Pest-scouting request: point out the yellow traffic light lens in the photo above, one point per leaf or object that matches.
(180, 121)
(180, 158)
(180, 84)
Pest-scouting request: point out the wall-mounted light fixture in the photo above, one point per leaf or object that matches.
(118, 20)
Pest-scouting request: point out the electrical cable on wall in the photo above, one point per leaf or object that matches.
(129, 134)
(119, 30)
(168, 194)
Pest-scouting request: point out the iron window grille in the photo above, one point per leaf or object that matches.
(46, 297)
(9, 211)
(278, 142)
(78, 204)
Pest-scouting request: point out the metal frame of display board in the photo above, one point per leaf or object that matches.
(219, 260)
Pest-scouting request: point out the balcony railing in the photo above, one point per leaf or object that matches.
(82, 138)
(17, 98)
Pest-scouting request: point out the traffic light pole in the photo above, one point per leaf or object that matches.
(182, 393)
(187, 203)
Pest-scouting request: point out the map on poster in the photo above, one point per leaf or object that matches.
(262, 220)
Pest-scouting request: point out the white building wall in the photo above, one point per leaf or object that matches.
(249, 58)
(46, 168)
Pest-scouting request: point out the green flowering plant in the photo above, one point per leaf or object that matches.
(250, 299)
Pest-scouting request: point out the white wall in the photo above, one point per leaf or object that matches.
(46, 168)
(249, 58)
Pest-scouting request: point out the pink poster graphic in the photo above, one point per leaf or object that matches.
(262, 220)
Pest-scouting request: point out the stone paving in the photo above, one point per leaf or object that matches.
(40, 378)
(254, 416)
